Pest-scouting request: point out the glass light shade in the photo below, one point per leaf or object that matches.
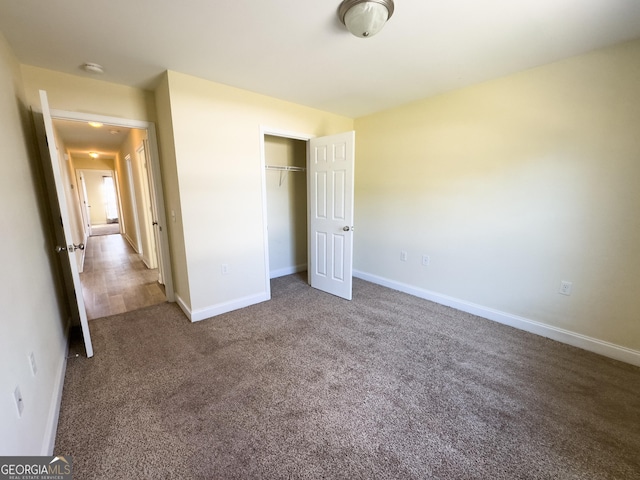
(366, 19)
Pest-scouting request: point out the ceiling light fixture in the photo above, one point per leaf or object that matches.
(93, 68)
(94, 154)
(365, 18)
(96, 124)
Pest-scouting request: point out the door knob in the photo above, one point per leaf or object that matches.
(348, 228)
(70, 248)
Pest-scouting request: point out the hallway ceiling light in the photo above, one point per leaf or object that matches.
(95, 124)
(365, 18)
(94, 154)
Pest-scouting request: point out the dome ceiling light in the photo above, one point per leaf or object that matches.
(93, 68)
(365, 18)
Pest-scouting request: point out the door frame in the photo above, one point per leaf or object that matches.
(149, 258)
(276, 132)
(153, 209)
(154, 164)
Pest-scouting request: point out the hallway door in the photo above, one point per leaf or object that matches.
(65, 246)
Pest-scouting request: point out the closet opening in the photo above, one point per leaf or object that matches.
(308, 218)
(286, 203)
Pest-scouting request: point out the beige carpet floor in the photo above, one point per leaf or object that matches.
(387, 386)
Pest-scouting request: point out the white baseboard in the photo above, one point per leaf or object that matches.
(600, 347)
(186, 309)
(219, 309)
(146, 261)
(128, 239)
(281, 272)
(49, 440)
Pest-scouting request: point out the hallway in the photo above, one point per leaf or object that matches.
(115, 280)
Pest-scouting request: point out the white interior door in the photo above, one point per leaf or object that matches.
(84, 204)
(65, 246)
(331, 166)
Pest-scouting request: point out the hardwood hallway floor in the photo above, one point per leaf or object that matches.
(115, 279)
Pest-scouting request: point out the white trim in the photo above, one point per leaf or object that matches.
(146, 262)
(276, 132)
(128, 239)
(49, 440)
(265, 226)
(219, 309)
(116, 181)
(90, 117)
(145, 197)
(281, 272)
(584, 342)
(183, 306)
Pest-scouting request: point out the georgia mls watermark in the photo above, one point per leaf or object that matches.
(36, 468)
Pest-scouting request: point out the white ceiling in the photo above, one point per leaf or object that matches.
(297, 50)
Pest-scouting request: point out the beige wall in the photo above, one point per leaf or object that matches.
(512, 186)
(216, 130)
(286, 205)
(93, 163)
(87, 95)
(32, 314)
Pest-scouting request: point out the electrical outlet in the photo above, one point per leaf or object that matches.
(403, 256)
(225, 269)
(17, 395)
(565, 287)
(32, 363)
(425, 260)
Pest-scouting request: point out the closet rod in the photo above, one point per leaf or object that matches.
(285, 168)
